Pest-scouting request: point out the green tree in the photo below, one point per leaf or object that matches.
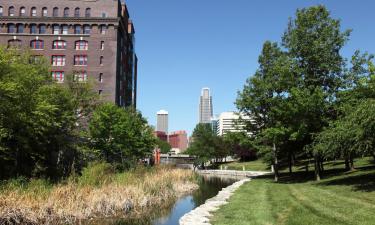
(121, 136)
(240, 145)
(203, 145)
(164, 146)
(265, 99)
(293, 95)
(37, 119)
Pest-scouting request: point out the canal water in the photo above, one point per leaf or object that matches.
(209, 186)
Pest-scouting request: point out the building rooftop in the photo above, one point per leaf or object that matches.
(162, 112)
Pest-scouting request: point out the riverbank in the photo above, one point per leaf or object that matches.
(201, 214)
(107, 195)
(340, 198)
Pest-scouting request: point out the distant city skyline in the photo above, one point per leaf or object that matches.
(180, 53)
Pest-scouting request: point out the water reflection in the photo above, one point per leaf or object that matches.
(170, 214)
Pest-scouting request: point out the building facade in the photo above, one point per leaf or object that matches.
(161, 135)
(205, 106)
(179, 140)
(232, 122)
(162, 121)
(215, 124)
(88, 39)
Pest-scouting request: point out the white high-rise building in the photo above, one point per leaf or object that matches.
(205, 106)
(162, 121)
(232, 122)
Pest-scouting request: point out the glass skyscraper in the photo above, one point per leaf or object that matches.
(205, 106)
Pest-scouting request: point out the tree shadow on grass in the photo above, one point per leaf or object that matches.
(362, 179)
(361, 182)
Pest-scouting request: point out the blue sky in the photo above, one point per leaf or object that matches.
(185, 45)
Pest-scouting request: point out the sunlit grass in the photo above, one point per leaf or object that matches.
(340, 198)
(257, 165)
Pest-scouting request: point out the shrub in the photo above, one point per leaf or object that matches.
(96, 174)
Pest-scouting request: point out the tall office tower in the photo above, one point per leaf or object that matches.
(89, 39)
(162, 121)
(205, 106)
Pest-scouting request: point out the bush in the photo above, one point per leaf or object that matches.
(96, 174)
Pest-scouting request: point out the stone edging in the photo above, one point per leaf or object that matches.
(235, 173)
(201, 214)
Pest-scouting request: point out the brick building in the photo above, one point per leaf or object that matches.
(89, 39)
(179, 140)
(161, 135)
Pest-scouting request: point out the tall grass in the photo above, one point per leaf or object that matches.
(98, 192)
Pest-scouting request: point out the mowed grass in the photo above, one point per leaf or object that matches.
(257, 165)
(340, 198)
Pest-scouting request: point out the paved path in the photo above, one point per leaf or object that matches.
(201, 215)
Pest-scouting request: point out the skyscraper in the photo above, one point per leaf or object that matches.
(205, 106)
(162, 121)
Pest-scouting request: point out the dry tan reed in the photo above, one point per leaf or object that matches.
(130, 193)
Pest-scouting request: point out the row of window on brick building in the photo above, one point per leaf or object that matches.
(80, 76)
(56, 29)
(44, 12)
(56, 45)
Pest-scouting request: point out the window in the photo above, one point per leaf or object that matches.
(55, 29)
(65, 29)
(33, 11)
(59, 44)
(101, 60)
(104, 14)
(36, 59)
(76, 12)
(20, 28)
(55, 12)
(58, 60)
(101, 77)
(1, 11)
(22, 11)
(80, 60)
(33, 29)
(44, 12)
(15, 43)
(66, 12)
(81, 45)
(88, 12)
(42, 29)
(80, 76)
(37, 44)
(11, 28)
(102, 45)
(103, 29)
(77, 29)
(58, 76)
(11, 11)
(86, 29)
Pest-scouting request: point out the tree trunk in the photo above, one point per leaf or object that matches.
(276, 164)
(321, 166)
(347, 167)
(317, 168)
(290, 163)
(351, 162)
(307, 167)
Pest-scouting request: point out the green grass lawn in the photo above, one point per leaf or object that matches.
(339, 198)
(257, 165)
